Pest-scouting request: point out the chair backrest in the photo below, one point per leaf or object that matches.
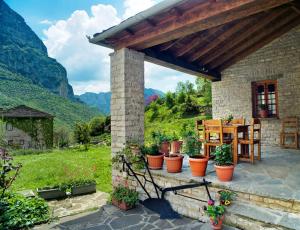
(238, 121)
(200, 129)
(290, 124)
(255, 129)
(213, 127)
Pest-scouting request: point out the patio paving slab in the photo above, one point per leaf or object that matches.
(112, 218)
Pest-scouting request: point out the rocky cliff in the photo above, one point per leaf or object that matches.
(22, 52)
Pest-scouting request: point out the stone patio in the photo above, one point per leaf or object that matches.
(111, 218)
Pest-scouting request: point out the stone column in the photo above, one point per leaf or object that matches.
(127, 100)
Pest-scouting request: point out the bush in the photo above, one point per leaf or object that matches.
(19, 212)
(97, 126)
(82, 134)
(123, 194)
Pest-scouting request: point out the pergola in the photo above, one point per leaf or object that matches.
(202, 36)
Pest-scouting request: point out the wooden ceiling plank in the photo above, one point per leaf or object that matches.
(252, 39)
(233, 41)
(264, 41)
(228, 33)
(218, 13)
(168, 45)
(296, 9)
(204, 36)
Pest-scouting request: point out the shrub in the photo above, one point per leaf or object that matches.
(19, 212)
(124, 194)
(82, 134)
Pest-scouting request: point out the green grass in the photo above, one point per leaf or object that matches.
(57, 166)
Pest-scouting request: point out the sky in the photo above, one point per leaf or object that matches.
(63, 26)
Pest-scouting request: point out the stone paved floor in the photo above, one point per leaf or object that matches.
(78, 204)
(111, 218)
(277, 175)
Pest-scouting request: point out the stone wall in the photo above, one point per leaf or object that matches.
(279, 60)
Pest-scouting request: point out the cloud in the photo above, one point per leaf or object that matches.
(88, 65)
(46, 22)
(133, 7)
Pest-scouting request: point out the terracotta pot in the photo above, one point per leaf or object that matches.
(263, 113)
(174, 163)
(217, 226)
(198, 165)
(165, 147)
(121, 205)
(224, 173)
(155, 162)
(175, 146)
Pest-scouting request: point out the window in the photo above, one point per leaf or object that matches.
(265, 94)
(9, 127)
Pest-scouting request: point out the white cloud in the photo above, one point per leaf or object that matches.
(133, 7)
(46, 22)
(87, 64)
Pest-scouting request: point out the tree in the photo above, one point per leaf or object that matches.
(169, 98)
(2, 134)
(97, 126)
(61, 137)
(82, 134)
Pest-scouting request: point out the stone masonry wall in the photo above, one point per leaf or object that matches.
(279, 60)
(127, 100)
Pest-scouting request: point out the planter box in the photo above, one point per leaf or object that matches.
(121, 205)
(83, 189)
(51, 194)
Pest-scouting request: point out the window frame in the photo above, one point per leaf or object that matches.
(265, 83)
(9, 127)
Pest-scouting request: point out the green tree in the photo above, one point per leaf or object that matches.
(2, 134)
(97, 126)
(82, 134)
(169, 98)
(61, 137)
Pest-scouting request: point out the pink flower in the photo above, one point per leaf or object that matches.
(211, 202)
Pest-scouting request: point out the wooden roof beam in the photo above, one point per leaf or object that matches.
(264, 41)
(219, 39)
(228, 44)
(217, 13)
(267, 30)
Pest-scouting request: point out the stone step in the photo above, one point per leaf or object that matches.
(250, 217)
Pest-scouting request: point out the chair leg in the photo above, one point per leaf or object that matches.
(259, 151)
(252, 153)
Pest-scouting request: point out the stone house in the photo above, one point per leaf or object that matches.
(25, 127)
(250, 50)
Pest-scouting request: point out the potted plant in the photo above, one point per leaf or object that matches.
(175, 144)
(223, 162)
(174, 162)
(155, 158)
(198, 163)
(263, 111)
(228, 119)
(226, 197)
(81, 187)
(216, 215)
(124, 198)
(53, 192)
(163, 141)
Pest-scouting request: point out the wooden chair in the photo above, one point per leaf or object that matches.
(254, 138)
(213, 135)
(200, 130)
(239, 121)
(289, 129)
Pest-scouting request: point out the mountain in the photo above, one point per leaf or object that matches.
(102, 100)
(22, 52)
(16, 90)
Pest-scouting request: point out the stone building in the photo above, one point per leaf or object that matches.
(25, 127)
(250, 50)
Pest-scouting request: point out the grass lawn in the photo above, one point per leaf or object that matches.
(58, 166)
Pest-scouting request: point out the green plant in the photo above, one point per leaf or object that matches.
(8, 171)
(174, 137)
(263, 107)
(130, 156)
(124, 194)
(226, 197)
(19, 212)
(215, 212)
(229, 118)
(158, 138)
(82, 134)
(191, 145)
(152, 150)
(223, 155)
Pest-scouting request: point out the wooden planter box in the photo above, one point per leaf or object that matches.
(51, 193)
(121, 205)
(83, 189)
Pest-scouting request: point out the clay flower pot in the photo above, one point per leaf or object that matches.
(175, 146)
(198, 165)
(155, 162)
(121, 205)
(165, 147)
(224, 173)
(217, 226)
(174, 163)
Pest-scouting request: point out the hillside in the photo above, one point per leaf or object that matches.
(22, 52)
(101, 101)
(18, 90)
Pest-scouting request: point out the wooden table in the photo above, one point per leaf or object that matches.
(235, 130)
